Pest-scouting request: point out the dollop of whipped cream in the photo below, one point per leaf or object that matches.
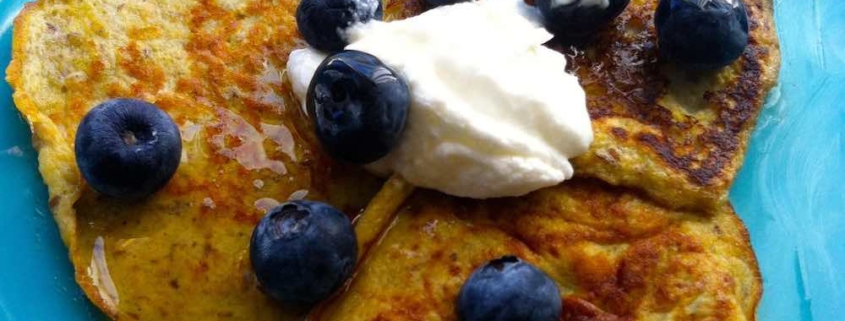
(493, 113)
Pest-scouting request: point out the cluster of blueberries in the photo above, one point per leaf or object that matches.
(303, 251)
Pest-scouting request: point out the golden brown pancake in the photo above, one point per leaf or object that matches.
(679, 136)
(614, 254)
(217, 68)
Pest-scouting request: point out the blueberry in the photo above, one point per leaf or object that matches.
(323, 22)
(702, 34)
(509, 289)
(437, 3)
(302, 252)
(574, 21)
(359, 106)
(127, 148)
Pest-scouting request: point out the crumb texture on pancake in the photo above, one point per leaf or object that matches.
(614, 255)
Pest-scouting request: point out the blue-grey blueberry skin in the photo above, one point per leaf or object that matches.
(302, 252)
(578, 21)
(702, 34)
(127, 148)
(509, 289)
(358, 105)
(323, 22)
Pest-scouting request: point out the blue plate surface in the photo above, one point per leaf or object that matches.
(790, 192)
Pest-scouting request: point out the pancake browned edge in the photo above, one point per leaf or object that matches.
(680, 137)
(644, 232)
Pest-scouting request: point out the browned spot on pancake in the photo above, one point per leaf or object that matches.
(395, 10)
(202, 267)
(644, 268)
(620, 133)
(405, 309)
(95, 70)
(144, 33)
(259, 107)
(598, 274)
(665, 150)
(437, 255)
(454, 270)
(576, 309)
(622, 75)
(139, 64)
(54, 201)
(247, 218)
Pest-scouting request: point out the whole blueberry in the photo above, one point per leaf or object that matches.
(323, 22)
(702, 34)
(573, 21)
(127, 148)
(303, 251)
(359, 106)
(509, 289)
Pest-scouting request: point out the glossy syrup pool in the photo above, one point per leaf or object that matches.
(789, 193)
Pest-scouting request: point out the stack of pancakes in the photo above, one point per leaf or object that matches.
(644, 231)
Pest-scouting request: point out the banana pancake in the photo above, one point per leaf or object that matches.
(217, 67)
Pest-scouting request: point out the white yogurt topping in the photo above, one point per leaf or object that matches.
(584, 3)
(493, 111)
(300, 69)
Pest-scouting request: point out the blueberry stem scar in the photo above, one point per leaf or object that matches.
(129, 138)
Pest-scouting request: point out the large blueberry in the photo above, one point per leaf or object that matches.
(702, 34)
(303, 251)
(323, 22)
(127, 148)
(359, 106)
(573, 21)
(509, 289)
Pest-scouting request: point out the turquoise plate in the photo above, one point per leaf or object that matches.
(790, 192)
